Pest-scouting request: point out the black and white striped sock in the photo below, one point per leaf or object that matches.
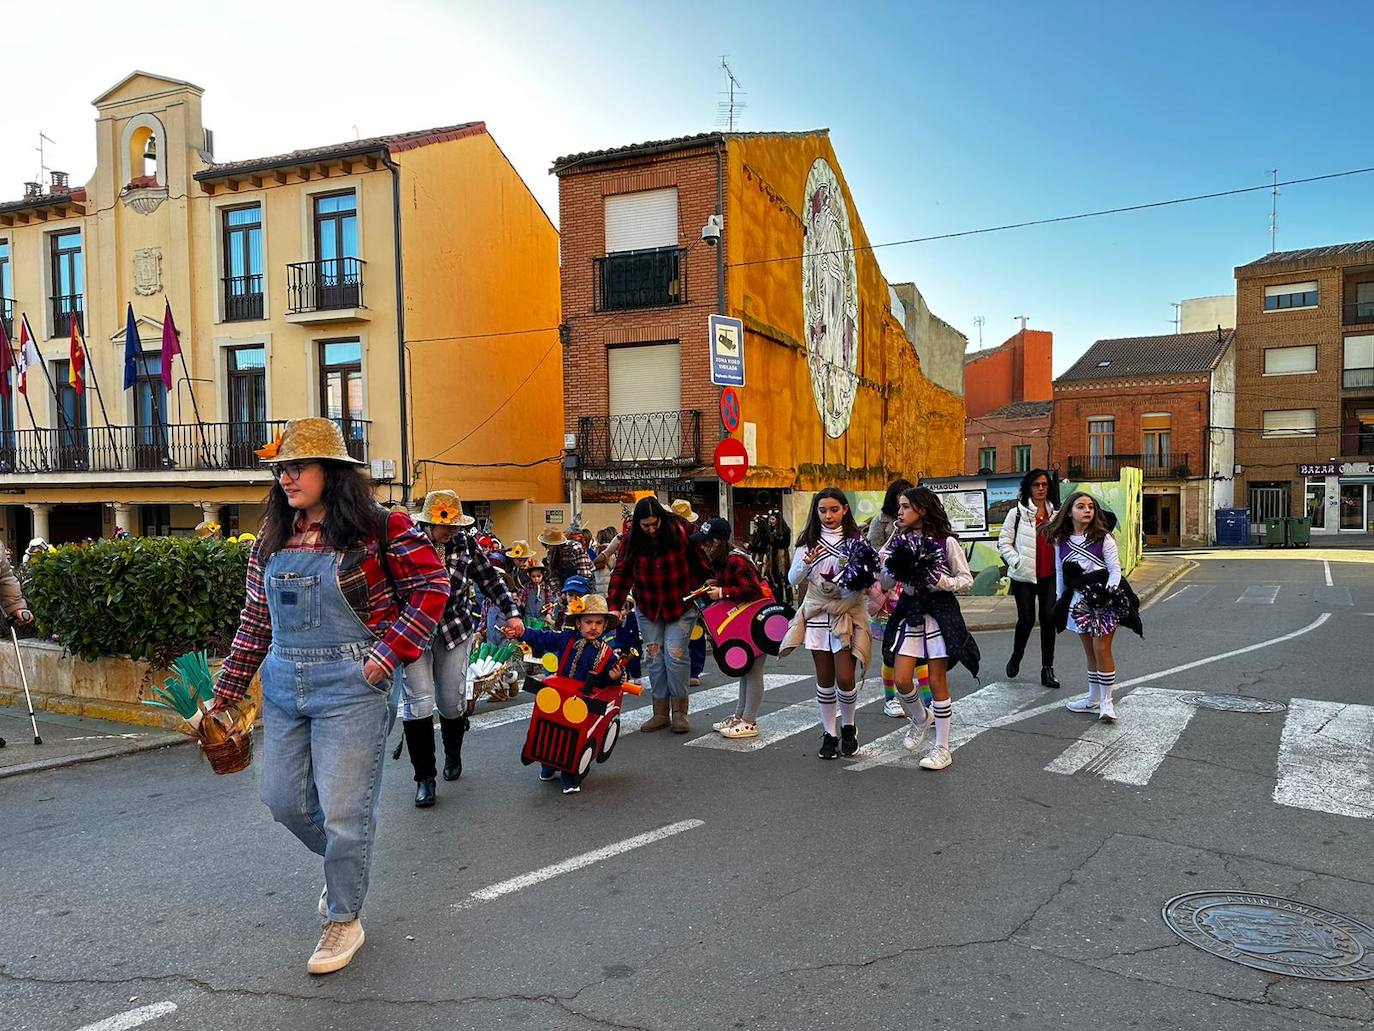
(1106, 683)
(1094, 687)
(944, 711)
(830, 712)
(849, 704)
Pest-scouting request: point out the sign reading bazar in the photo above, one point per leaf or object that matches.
(1336, 469)
(727, 351)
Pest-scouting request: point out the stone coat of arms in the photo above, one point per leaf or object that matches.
(148, 271)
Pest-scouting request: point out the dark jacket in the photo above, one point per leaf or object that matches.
(912, 610)
(1076, 580)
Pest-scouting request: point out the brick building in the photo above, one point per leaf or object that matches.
(1305, 386)
(1008, 393)
(656, 237)
(1161, 404)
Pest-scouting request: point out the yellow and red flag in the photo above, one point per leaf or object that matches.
(76, 368)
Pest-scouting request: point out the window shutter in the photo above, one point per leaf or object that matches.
(1156, 421)
(1294, 422)
(1359, 352)
(1281, 360)
(1291, 288)
(640, 221)
(645, 379)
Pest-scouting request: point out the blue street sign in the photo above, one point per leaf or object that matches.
(727, 351)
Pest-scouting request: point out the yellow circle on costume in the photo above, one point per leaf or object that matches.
(550, 663)
(698, 632)
(574, 710)
(548, 700)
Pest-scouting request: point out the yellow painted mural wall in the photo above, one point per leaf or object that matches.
(481, 257)
(901, 423)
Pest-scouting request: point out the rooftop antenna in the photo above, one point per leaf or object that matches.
(42, 156)
(978, 321)
(1274, 211)
(731, 107)
(1178, 316)
(1023, 319)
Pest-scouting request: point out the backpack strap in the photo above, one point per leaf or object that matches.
(383, 543)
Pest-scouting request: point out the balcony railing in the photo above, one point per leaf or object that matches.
(1169, 465)
(324, 285)
(242, 298)
(1357, 379)
(7, 315)
(66, 307)
(647, 439)
(1357, 443)
(641, 279)
(169, 447)
(1359, 314)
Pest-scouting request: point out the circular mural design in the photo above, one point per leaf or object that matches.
(830, 299)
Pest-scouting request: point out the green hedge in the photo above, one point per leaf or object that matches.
(148, 598)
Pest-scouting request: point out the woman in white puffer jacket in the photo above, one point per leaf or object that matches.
(1030, 564)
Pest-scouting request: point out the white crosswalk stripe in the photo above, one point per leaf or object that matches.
(1149, 723)
(786, 722)
(708, 699)
(1326, 758)
(1258, 594)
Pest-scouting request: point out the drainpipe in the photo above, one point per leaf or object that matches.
(725, 495)
(400, 325)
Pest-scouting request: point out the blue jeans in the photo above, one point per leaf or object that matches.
(666, 653)
(698, 651)
(324, 734)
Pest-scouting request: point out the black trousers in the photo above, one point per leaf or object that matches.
(1029, 597)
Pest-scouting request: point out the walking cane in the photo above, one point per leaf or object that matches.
(23, 676)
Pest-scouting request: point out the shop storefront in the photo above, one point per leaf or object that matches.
(1339, 496)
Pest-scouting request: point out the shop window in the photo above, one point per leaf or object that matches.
(1316, 503)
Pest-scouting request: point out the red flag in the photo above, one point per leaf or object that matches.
(171, 345)
(6, 361)
(76, 368)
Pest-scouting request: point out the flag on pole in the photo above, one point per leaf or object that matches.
(76, 368)
(28, 355)
(171, 345)
(6, 361)
(133, 350)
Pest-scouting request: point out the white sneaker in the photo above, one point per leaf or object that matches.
(1083, 703)
(729, 721)
(911, 740)
(893, 708)
(938, 758)
(741, 728)
(1107, 711)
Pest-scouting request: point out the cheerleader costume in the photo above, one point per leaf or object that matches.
(1091, 558)
(926, 641)
(821, 576)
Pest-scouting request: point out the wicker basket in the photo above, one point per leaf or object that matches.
(232, 755)
(498, 685)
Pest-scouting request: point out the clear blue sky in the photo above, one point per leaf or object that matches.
(944, 116)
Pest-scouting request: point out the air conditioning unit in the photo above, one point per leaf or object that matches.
(383, 469)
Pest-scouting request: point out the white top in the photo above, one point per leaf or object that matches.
(1078, 551)
(959, 577)
(825, 569)
(1016, 542)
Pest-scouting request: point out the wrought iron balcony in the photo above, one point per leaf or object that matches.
(1357, 379)
(242, 298)
(641, 279)
(1169, 465)
(327, 285)
(65, 308)
(169, 447)
(649, 439)
(7, 315)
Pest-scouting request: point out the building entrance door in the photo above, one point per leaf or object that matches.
(1161, 520)
(1353, 516)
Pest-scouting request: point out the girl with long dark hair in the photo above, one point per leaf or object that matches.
(340, 594)
(661, 566)
(924, 559)
(1029, 556)
(837, 565)
(880, 530)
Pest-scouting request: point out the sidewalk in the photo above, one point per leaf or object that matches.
(1154, 574)
(68, 740)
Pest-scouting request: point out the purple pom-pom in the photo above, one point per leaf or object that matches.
(858, 566)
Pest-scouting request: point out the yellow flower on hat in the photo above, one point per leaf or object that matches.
(575, 605)
(269, 451)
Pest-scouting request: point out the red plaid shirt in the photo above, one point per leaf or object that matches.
(739, 580)
(660, 576)
(402, 633)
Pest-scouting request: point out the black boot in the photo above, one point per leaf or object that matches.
(420, 744)
(452, 730)
(1047, 676)
(1013, 665)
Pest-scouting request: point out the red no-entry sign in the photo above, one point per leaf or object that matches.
(731, 460)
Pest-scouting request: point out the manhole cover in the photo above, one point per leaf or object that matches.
(1238, 703)
(1274, 934)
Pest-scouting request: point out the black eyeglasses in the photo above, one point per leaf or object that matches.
(291, 470)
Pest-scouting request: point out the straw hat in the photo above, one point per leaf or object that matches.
(682, 507)
(594, 605)
(207, 528)
(552, 537)
(443, 508)
(520, 550)
(307, 438)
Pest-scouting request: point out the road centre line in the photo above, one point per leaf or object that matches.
(133, 1018)
(544, 873)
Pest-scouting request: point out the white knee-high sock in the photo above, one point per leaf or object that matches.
(830, 712)
(1106, 682)
(1094, 688)
(913, 707)
(944, 712)
(849, 704)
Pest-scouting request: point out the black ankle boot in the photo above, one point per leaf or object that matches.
(420, 744)
(424, 794)
(1013, 666)
(1047, 676)
(452, 731)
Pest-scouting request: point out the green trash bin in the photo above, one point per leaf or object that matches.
(1299, 531)
(1276, 532)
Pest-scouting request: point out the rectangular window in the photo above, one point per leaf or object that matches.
(341, 390)
(987, 459)
(67, 272)
(641, 221)
(150, 413)
(1023, 458)
(1357, 364)
(242, 234)
(1286, 361)
(247, 367)
(70, 426)
(645, 388)
(155, 520)
(1101, 437)
(1316, 503)
(6, 289)
(1156, 439)
(339, 272)
(1292, 422)
(1290, 295)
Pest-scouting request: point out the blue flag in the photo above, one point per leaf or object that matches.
(133, 350)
